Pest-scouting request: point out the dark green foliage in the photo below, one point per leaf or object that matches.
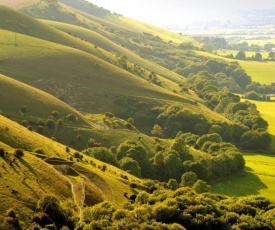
(55, 113)
(12, 220)
(182, 209)
(214, 137)
(131, 166)
(137, 153)
(103, 154)
(67, 149)
(23, 109)
(201, 186)
(42, 219)
(255, 140)
(19, 153)
(40, 129)
(78, 155)
(51, 211)
(2, 152)
(241, 55)
(50, 124)
(174, 119)
(72, 118)
(252, 95)
(188, 179)
(93, 143)
(59, 123)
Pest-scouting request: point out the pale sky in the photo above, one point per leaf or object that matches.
(166, 12)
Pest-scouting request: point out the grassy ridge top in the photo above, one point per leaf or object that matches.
(103, 42)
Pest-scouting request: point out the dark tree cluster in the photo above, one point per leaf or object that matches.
(181, 209)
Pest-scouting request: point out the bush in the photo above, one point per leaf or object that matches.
(50, 124)
(2, 152)
(55, 113)
(78, 155)
(18, 153)
(42, 219)
(40, 129)
(59, 123)
(71, 118)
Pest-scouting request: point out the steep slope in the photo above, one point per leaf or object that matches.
(24, 180)
(99, 40)
(86, 82)
(37, 104)
(62, 13)
(127, 24)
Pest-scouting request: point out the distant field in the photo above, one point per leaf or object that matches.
(267, 110)
(259, 175)
(234, 52)
(258, 178)
(263, 72)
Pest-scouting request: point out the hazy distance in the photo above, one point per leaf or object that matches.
(181, 13)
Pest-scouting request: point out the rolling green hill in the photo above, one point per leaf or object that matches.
(84, 79)
(98, 36)
(26, 179)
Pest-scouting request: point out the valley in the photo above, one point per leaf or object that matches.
(111, 123)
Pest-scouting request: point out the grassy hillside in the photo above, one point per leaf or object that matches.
(38, 104)
(124, 23)
(94, 29)
(25, 180)
(256, 180)
(100, 41)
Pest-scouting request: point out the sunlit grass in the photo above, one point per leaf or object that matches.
(263, 72)
(258, 178)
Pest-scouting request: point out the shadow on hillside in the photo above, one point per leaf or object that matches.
(27, 165)
(242, 184)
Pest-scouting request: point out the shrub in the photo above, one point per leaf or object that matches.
(78, 155)
(129, 126)
(23, 109)
(2, 152)
(92, 143)
(67, 149)
(39, 151)
(55, 113)
(18, 153)
(78, 138)
(50, 124)
(40, 129)
(42, 219)
(109, 115)
(71, 118)
(59, 123)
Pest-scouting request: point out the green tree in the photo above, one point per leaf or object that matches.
(271, 55)
(241, 55)
(131, 166)
(172, 184)
(258, 57)
(201, 186)
(188, 179)
(157, 130)
(103, 154)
